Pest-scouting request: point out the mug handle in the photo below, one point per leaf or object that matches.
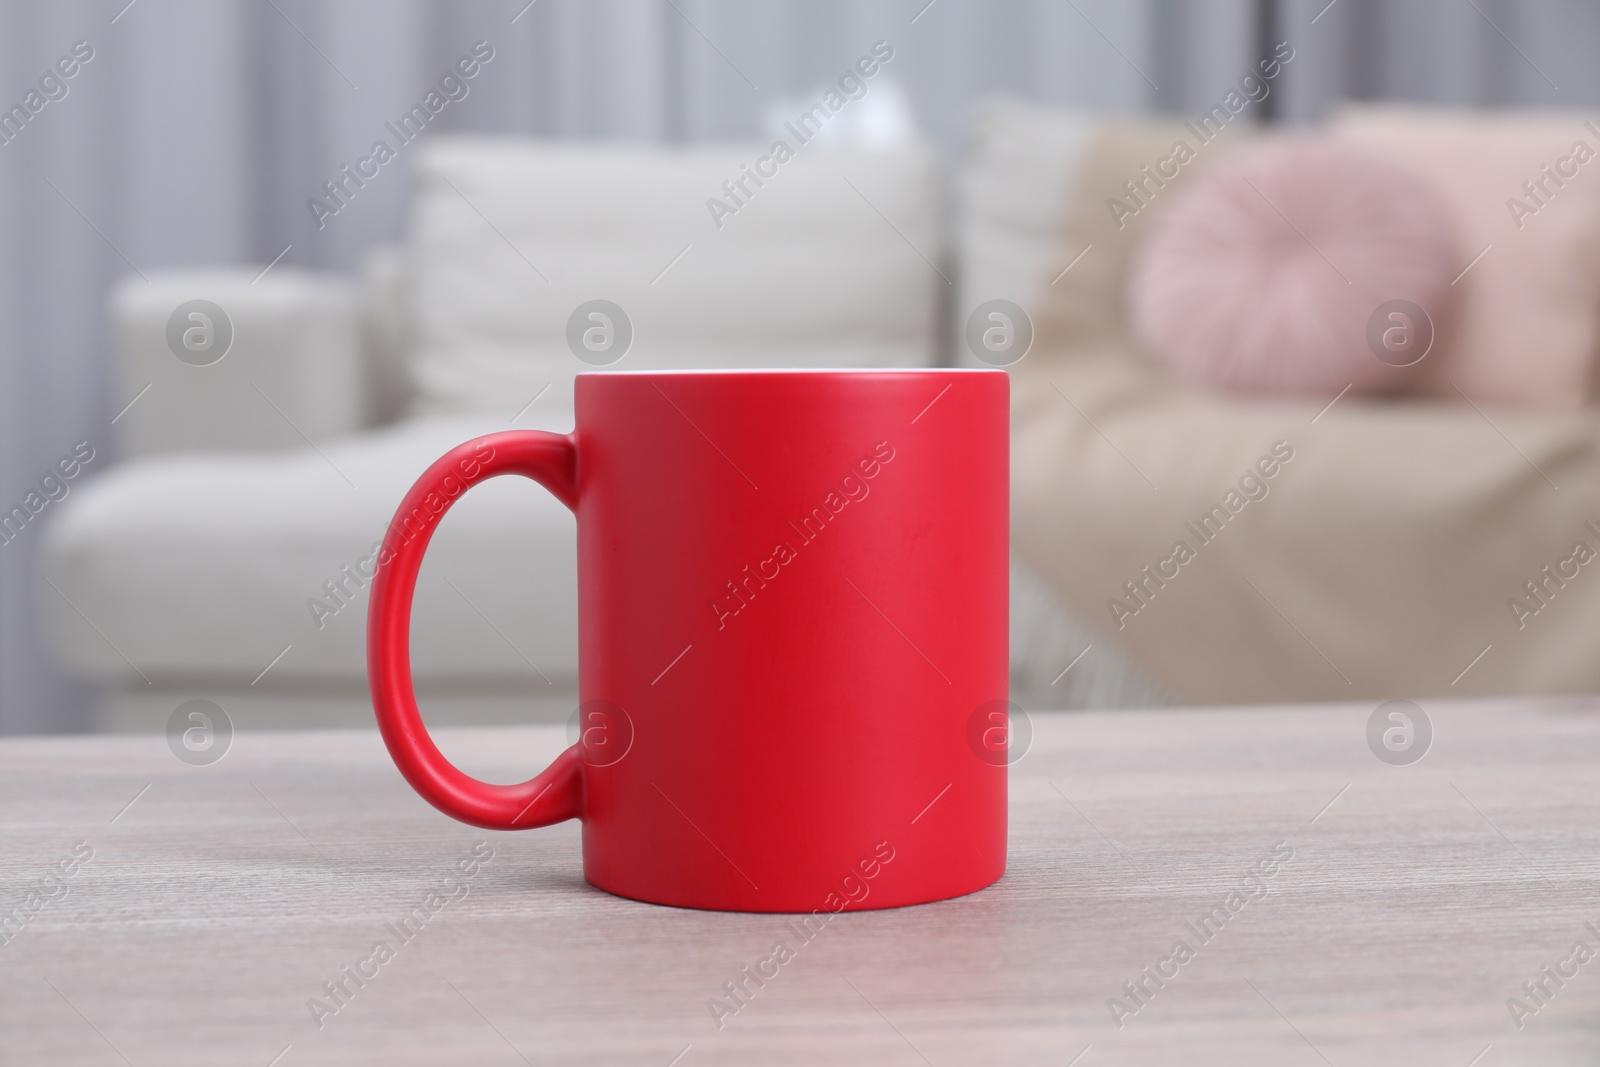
(556, 793)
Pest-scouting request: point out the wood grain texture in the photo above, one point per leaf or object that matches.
(1412, 908)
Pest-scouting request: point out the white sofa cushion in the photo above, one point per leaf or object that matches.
(509, 237)
(1020, 163)
(202, 566)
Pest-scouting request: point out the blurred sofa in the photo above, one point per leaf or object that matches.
(1392, 552)
(227, 554)
(1380, 564)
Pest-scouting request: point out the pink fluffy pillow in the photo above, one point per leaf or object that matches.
(1264, 274)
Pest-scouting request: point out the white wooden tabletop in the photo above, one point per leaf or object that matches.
(203, 909)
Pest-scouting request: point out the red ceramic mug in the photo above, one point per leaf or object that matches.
(792, 615)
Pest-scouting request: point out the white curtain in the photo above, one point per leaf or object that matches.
(199, 128)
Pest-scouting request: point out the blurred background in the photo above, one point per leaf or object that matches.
(180, 158)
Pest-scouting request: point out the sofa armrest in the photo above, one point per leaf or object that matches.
(266, 363)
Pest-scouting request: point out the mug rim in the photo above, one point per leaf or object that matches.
(732, 372)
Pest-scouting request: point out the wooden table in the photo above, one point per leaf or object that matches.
(219, 899)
